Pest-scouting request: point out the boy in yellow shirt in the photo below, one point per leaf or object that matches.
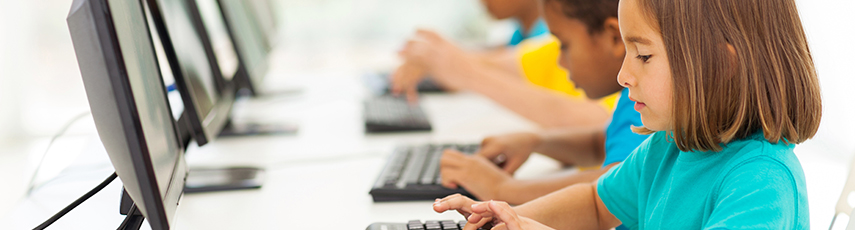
(504, 74)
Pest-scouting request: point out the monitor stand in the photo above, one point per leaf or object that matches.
(223, 179)
(232, 129)
(134, 219)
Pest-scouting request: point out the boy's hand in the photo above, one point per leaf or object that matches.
(429, 53)
(477, 174)
(406, 78)
(509, 150)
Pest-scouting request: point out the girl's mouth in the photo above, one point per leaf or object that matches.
(639, 106)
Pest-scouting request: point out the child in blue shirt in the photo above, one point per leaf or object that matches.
(592, 52)
(727, 88)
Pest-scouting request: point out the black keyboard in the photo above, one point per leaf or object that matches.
(380, 83)
(418, 225)
(388, 113)
(412, 173)
(427, 85)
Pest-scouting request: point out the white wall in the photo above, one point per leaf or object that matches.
(830, 28)
(40, 82)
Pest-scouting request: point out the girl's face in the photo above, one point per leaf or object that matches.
(645, 71)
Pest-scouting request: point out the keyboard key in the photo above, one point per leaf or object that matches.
(413, 170)
(432, 168)
(392, 174)
(448, 225)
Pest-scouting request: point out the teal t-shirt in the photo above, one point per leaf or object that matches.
(539, 28)
(750, 184)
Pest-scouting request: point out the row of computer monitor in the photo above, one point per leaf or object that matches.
(125, 48)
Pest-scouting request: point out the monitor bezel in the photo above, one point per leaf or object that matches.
(203, 129)
(250, 75)
(116, 115)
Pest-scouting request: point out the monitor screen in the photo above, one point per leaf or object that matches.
(249, 42)
(265, 15)
(224, 49)
(206, 95)
(190, 63)
(149, 96)
(128, 102)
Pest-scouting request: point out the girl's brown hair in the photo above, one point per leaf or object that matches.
(738, 67)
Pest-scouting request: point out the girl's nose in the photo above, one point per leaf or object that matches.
(624, 78)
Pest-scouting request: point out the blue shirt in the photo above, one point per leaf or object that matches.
(750, 184)
(620, 140)
(539, 28)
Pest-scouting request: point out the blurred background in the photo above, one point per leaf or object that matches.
(41, 90)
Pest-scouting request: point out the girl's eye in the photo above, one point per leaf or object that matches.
(644, 58)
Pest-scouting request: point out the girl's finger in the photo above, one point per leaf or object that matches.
(454, 202)
(503, 211)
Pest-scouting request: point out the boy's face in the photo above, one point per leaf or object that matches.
(645, 71)
(503, 9)
(592, 60)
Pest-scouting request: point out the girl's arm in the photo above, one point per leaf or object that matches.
(521, 191)
(574, 207)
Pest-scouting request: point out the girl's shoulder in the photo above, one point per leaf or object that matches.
(756, 146)
(756, 155)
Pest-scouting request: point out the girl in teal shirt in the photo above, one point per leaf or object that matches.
(727, 88)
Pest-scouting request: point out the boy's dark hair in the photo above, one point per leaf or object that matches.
(592, 13)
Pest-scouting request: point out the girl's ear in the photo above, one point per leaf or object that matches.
(611, 31)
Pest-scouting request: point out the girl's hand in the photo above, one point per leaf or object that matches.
(501, 216)
(497, 214)
(462, 205)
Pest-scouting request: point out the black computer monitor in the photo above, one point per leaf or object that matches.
(252, 48)
(203, 78)
(210, 19)
(208, 97)
(266, 15)
(128, 101)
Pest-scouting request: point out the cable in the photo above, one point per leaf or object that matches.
(77, 202)
(31, 185)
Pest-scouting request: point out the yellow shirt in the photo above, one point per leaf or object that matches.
(539, 60)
